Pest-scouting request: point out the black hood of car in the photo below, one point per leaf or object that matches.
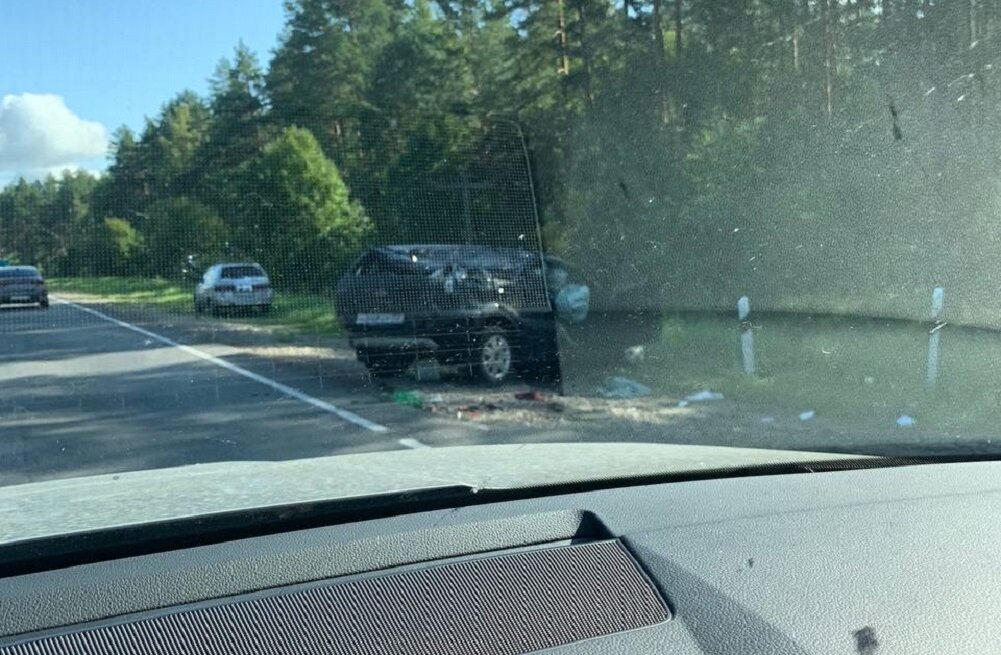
(498, 260)
(426, 278)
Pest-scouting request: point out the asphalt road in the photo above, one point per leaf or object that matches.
(84, 395)
(89, 388)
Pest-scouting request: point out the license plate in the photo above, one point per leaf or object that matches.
(245, 288)
(380, 319)
(20, 298)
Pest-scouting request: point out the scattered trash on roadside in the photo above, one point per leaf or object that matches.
(436, 399)
(807, 415)
(572, 303)
(635, 354)
(905, 421)
(533, 396)
(621, 388)
(767, 419)
(869, 379)
(409, 398)
(703, 396)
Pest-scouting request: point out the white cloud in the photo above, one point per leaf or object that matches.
(38, 132)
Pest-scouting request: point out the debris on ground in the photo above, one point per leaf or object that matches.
(635, 354)
(700, 397)
(572, 303)
(409, 398)
(703, 396)
(807, 415)
(767, 419)
(479, 407)
(620, 387)
(905, 421)
(544, 407)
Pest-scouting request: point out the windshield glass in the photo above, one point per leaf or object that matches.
(18, 272)
(236, 272)
(771, 225)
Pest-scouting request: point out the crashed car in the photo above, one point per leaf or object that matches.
(490, 310)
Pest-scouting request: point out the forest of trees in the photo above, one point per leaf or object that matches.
(815, 154)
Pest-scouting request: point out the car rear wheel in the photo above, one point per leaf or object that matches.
(265, 309)
(493, 356)
(44, 303)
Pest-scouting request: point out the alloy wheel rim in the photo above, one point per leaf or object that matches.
(496, 357)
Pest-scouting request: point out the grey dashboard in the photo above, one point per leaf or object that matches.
(893, 560)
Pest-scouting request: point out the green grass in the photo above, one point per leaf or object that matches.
(291, 311)
(865, 372)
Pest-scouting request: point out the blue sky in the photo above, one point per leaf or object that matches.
(112, 62)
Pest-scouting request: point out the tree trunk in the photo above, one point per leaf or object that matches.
(988, 23)
(658, 33)
(660, 63)
(828, 58)
(585, 54)
(677, 28)
(973, 22)
(563, 63)
(795, 48)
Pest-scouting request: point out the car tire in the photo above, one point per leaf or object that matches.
(493, 355)
(264, 309)
(44, 303)
(199, 307)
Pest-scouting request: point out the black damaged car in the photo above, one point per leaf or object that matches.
(489, 310)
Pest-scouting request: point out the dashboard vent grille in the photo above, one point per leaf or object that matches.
(501, 605)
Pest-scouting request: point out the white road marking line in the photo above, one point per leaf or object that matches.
(407, 442)
(350, 417)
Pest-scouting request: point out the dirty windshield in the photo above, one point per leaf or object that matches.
(268, 231)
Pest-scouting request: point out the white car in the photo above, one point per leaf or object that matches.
(234, 286)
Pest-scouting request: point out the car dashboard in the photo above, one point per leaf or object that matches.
(879, 560)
